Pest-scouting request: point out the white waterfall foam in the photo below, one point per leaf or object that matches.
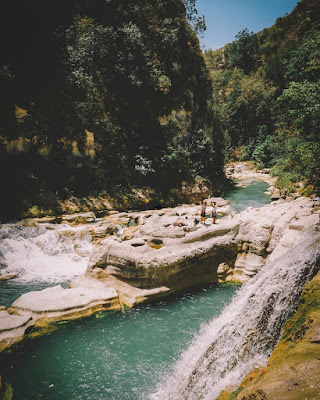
(245, 334)
(45, 252)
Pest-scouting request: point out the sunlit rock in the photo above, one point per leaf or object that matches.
(6, 277)
(12, 327)
(80, 218)
(59, 300)
(246, 266)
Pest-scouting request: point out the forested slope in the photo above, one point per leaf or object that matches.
(101, 96)
(267, 96)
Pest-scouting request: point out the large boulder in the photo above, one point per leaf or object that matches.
(246, 266)
(170, 260)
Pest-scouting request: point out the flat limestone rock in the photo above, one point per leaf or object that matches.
(128, 295)
(9, 321)
(13, 327)
(57, 299)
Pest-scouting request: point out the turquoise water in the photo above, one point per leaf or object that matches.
(118, 356)
(251, 195)
(114, 356)
(240, 198)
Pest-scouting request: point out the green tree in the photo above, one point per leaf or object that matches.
(242, 53)
(197, 22)
(304, 63)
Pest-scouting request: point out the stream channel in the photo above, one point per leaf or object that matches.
(109, 356)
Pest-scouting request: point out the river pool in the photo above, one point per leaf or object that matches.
(109, 356)
(250, 195)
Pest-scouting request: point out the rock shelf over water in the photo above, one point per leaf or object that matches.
(163, 252)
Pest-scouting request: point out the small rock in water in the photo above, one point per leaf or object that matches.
(6, 277)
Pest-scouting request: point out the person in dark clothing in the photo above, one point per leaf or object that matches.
(214, 211)
(203, 212)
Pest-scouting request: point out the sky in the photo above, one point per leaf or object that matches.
(225, 18)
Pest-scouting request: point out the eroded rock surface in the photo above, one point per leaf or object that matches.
(142, 256)
(12, 327)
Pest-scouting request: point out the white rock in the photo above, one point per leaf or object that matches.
(249, 262)
(11, 321)
(58, 299)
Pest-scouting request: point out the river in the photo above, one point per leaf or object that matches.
(117, 356)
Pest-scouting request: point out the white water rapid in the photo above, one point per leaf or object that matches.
(44, 252)
(247, 331)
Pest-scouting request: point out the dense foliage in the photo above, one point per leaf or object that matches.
(99, 96)
(267, 95)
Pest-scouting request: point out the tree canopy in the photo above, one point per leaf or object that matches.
(266, 94)
(103, 96)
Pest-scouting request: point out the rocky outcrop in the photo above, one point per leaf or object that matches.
(165, 247)
(143, 256)
(78, 218)
(165, 251)
(245, 267)
(39, 308)
(177, 257)
(12, 327)
(245, 172)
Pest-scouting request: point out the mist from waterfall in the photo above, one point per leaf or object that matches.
(244, 335)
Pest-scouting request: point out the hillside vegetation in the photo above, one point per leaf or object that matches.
(100, 97)
(266, 93)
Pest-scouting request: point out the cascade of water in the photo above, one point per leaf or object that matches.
(247, 331)
(44, 252)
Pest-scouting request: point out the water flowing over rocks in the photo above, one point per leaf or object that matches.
(143, 256)
(244, 335)
(164, 251)
(292, 371)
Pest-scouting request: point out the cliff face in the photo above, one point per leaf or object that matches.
(293, 368)
(102, 96)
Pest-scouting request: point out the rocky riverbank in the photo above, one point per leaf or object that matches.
(144, 256)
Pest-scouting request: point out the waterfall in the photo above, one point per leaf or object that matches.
(246, 332)
(44, 252)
